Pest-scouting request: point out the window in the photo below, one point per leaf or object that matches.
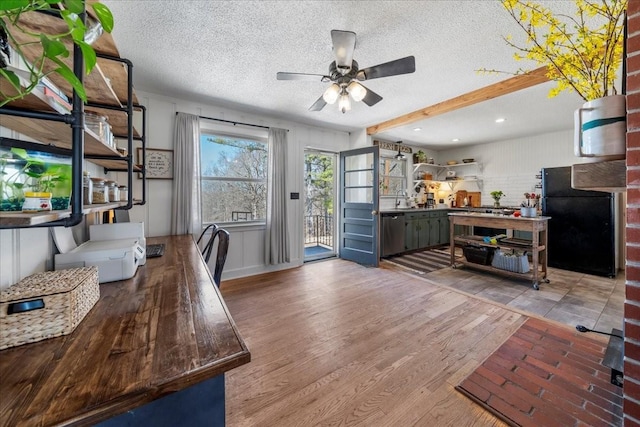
(392, 175)
(233, 177)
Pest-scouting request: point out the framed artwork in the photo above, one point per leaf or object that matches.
(159, 163)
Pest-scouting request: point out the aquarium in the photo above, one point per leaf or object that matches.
(24, 171)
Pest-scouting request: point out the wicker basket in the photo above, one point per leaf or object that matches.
(46, 305)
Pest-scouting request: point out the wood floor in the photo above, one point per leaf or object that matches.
(334, 343)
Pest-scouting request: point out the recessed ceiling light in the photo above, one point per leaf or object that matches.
(417, 129)
(500, 120)
(455, 139)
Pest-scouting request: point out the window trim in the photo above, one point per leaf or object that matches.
(213, 129)
(381, 176)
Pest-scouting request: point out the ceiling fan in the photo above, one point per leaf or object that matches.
(345, 75)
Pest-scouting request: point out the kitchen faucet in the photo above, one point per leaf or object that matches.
(403, 193)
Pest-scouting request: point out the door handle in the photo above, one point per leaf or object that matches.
(374, 213)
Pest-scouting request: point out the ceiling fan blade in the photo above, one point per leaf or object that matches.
(371, 98)
(344, 43)
(318, 105)
(301, 76)
(393, 68)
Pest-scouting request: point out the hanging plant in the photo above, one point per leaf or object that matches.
(48, 47)
(582, 52)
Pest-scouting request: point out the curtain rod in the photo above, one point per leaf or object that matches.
(234, 123)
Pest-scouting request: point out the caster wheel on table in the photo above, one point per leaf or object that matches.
(536, 286)
(546, 281)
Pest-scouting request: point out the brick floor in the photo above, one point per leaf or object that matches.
(547, 375)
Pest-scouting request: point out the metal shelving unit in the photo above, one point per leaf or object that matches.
(35, 118)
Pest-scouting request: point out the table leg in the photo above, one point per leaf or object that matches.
(535, 241)
(543, 254)
(452, 243)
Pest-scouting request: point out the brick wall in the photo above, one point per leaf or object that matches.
(632, 304)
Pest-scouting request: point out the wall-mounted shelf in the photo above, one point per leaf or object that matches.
(19, 219)
(440, 171)
(42, 121)
(608, 176)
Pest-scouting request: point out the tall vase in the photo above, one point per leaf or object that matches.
(600, 129)
(496, 204)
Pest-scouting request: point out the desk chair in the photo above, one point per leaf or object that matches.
(221, 256)
(213, 231)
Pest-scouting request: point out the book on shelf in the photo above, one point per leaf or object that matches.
(56, 100)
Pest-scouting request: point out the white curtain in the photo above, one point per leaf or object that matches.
(185, 206)
(276, 233)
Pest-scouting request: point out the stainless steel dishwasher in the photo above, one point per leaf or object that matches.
(392, 233)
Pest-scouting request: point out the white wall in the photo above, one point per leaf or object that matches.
(512, 165)
(246, 251)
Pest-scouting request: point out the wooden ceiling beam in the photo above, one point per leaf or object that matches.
(505, 87)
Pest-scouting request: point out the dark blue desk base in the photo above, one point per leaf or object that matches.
(201, 404)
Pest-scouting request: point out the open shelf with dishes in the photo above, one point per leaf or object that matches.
(440, 173)
(43, 121)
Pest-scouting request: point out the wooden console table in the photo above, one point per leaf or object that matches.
(538, 246)
(154, 346)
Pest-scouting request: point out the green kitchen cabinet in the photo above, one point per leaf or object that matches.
(417, 230)
(434, 231)
(411, 233)
(444, 229)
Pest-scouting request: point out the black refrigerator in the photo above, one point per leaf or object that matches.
(582, 226)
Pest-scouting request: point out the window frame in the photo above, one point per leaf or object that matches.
(381, 177)
(214, 129)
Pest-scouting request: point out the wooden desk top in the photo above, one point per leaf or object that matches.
(159, 332)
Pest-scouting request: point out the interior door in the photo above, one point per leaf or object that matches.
(359, 206)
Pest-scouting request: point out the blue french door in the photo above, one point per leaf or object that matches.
(359, 206)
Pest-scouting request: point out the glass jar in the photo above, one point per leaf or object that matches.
(98, 125)
(36, 202)
(87, 188)
(114, 192)
(100, 192)
(124, 193)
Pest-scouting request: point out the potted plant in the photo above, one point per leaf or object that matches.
(497, 195)
(50, 50)
(583, 53)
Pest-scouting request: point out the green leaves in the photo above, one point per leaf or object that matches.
(104, 16)
(580, 53)
(52, 47)
(13, 4)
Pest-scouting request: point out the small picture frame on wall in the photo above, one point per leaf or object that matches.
(158, 163)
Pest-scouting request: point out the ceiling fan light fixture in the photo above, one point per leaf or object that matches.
(344, 104)
(357, 91)
(330, 95)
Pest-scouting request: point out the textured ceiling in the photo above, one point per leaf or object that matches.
(228, 53)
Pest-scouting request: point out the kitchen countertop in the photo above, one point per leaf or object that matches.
(497, 215)
(483, 209)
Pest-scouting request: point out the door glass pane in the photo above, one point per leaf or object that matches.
(358, 195)
(359, 161)
(358, 179)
